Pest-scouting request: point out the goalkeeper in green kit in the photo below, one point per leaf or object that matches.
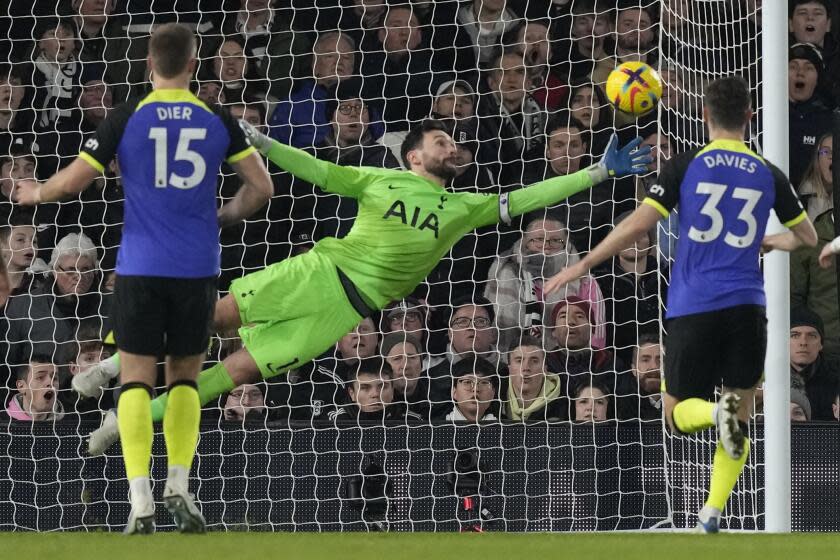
(292, 311)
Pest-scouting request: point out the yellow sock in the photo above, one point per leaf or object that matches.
(725, 473)
(180, 424)
(693, 415)
(134, 418)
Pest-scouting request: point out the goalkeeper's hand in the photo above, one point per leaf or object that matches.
(258, 140)
(624, 161)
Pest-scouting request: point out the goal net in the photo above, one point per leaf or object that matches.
(702, 41)
(519, 84)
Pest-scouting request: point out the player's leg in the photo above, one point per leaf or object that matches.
(135, 428)
(690, 374)
(743, 351)
(226, 314)
(230, 312)
(139, 323)
(726, 469)
(180, 431)
(316, 318)
(300, 309)
(191, 303)
(236, 369)
(90, 382)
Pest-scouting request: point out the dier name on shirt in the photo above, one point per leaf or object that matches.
(174, 112)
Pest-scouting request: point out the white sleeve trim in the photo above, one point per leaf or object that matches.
(835, 245)
(504, 208)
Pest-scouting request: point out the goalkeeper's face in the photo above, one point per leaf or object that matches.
(439, 155)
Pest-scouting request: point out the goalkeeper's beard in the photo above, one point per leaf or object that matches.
(444, 168)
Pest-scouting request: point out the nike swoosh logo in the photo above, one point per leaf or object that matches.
(279, 368)
(392, 187)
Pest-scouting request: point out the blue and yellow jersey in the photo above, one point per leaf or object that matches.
(170, 146)
(725, 193)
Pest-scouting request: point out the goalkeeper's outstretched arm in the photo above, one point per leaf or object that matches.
(346, 181)
(616, 162)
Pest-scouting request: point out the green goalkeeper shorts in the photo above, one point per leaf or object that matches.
(292, 312)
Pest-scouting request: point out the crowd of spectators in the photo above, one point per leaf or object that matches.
(519, 83)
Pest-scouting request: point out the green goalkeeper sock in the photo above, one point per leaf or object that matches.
(725, 473)
(212, 382)
(693, 415)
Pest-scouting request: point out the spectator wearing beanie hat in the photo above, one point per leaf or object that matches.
(411, 316)
(572, 326)
(810, 22)
(811, 372)
(809, 115)
(800, 406)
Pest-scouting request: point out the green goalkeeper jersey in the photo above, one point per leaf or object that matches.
(407, 223)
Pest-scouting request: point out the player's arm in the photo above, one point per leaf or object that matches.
(255, 192)
(68, 182)
(615, 163)
(801, 234)
(623, 236)
(662, 197)
(790, 212)
(96, 153)
(346, 181)
(829, 251)
(256, 189)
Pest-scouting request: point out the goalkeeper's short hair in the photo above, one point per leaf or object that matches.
(414, 138)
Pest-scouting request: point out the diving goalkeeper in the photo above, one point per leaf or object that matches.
(292, 311)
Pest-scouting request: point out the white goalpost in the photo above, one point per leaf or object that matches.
(777, 280)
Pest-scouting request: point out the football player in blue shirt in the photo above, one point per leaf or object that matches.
(170, 147)
(715, 321)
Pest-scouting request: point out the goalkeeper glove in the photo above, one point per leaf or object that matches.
(617, 162)
(257, 139)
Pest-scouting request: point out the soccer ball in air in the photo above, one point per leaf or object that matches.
(634, 88)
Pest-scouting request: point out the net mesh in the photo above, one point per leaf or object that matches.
(702, 41)
(519, 83)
